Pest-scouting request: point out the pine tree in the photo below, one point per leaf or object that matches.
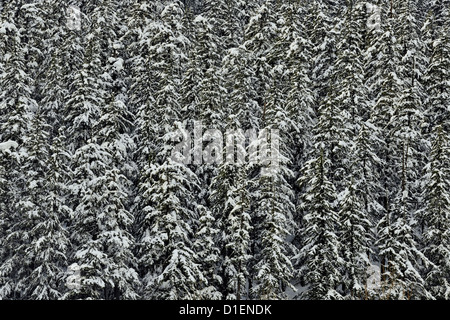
(16, 96)
(230, 203)
(366, 177)
(355, 241)
(407, 118)
(64, 59)
(47, 250)
(300, 101)
(102, 222)
(243, 108)
(345, 104)
(236, 237)
(436, 216)
(384, 86)
(436, 84)
(226, 19)
(401, 278)
(320, 245)
(203, 91)
(260, 34)
(36, 244)
(273, 221)
(168, 262)
(322, 33)
(208, 253)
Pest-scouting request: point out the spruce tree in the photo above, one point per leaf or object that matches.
(436, 216)
(319, 252)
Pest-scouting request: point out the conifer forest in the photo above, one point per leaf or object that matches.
(97, 96)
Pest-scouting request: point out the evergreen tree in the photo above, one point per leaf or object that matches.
(235, 223)
(168, 262)
(320, 245)
(355, 241)
(436, 216)
(36, 242)
(208, 253)
(273, 211)
(300, 101)
(436, 84)
(322, 33)
(260, 33)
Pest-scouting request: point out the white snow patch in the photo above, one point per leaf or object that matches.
(8, 144)
(374, 276)
(118, 65)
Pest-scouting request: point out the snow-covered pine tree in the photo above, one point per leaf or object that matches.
(260, 34)
(319, 251)
(273, 211)
(366, 177)
(208, 253)
(355, 161)
(88, 94)
(345, 104)
(225, 17)
(436, 215)
(230, 201)
(16, 107)
(334, 132)
(203, 84)
(401, 278)
(407, 118)
(237, 239)
(169, 265)
(398, 250)
(355, 239)
(100, 228)
(16, 96)
(323, 35)
(384, 87)
(141, 18)
(243, 109)
(203, 94)
(168, 188)
(37, 241)
(160, 92)
(348, 72)
(101, 222)
(437, 87)
(300, 101)
(64, 57)
(271, 177)
(46, 252)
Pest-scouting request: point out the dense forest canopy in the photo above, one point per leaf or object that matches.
(94, 205)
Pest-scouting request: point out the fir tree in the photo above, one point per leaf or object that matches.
(320, 244)
(436, 216)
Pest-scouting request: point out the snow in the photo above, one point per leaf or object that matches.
(4, 146)
(299, 289)
(118, 65)
(200, 19)
(234, 52)
(6, 26)
(374, 276)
